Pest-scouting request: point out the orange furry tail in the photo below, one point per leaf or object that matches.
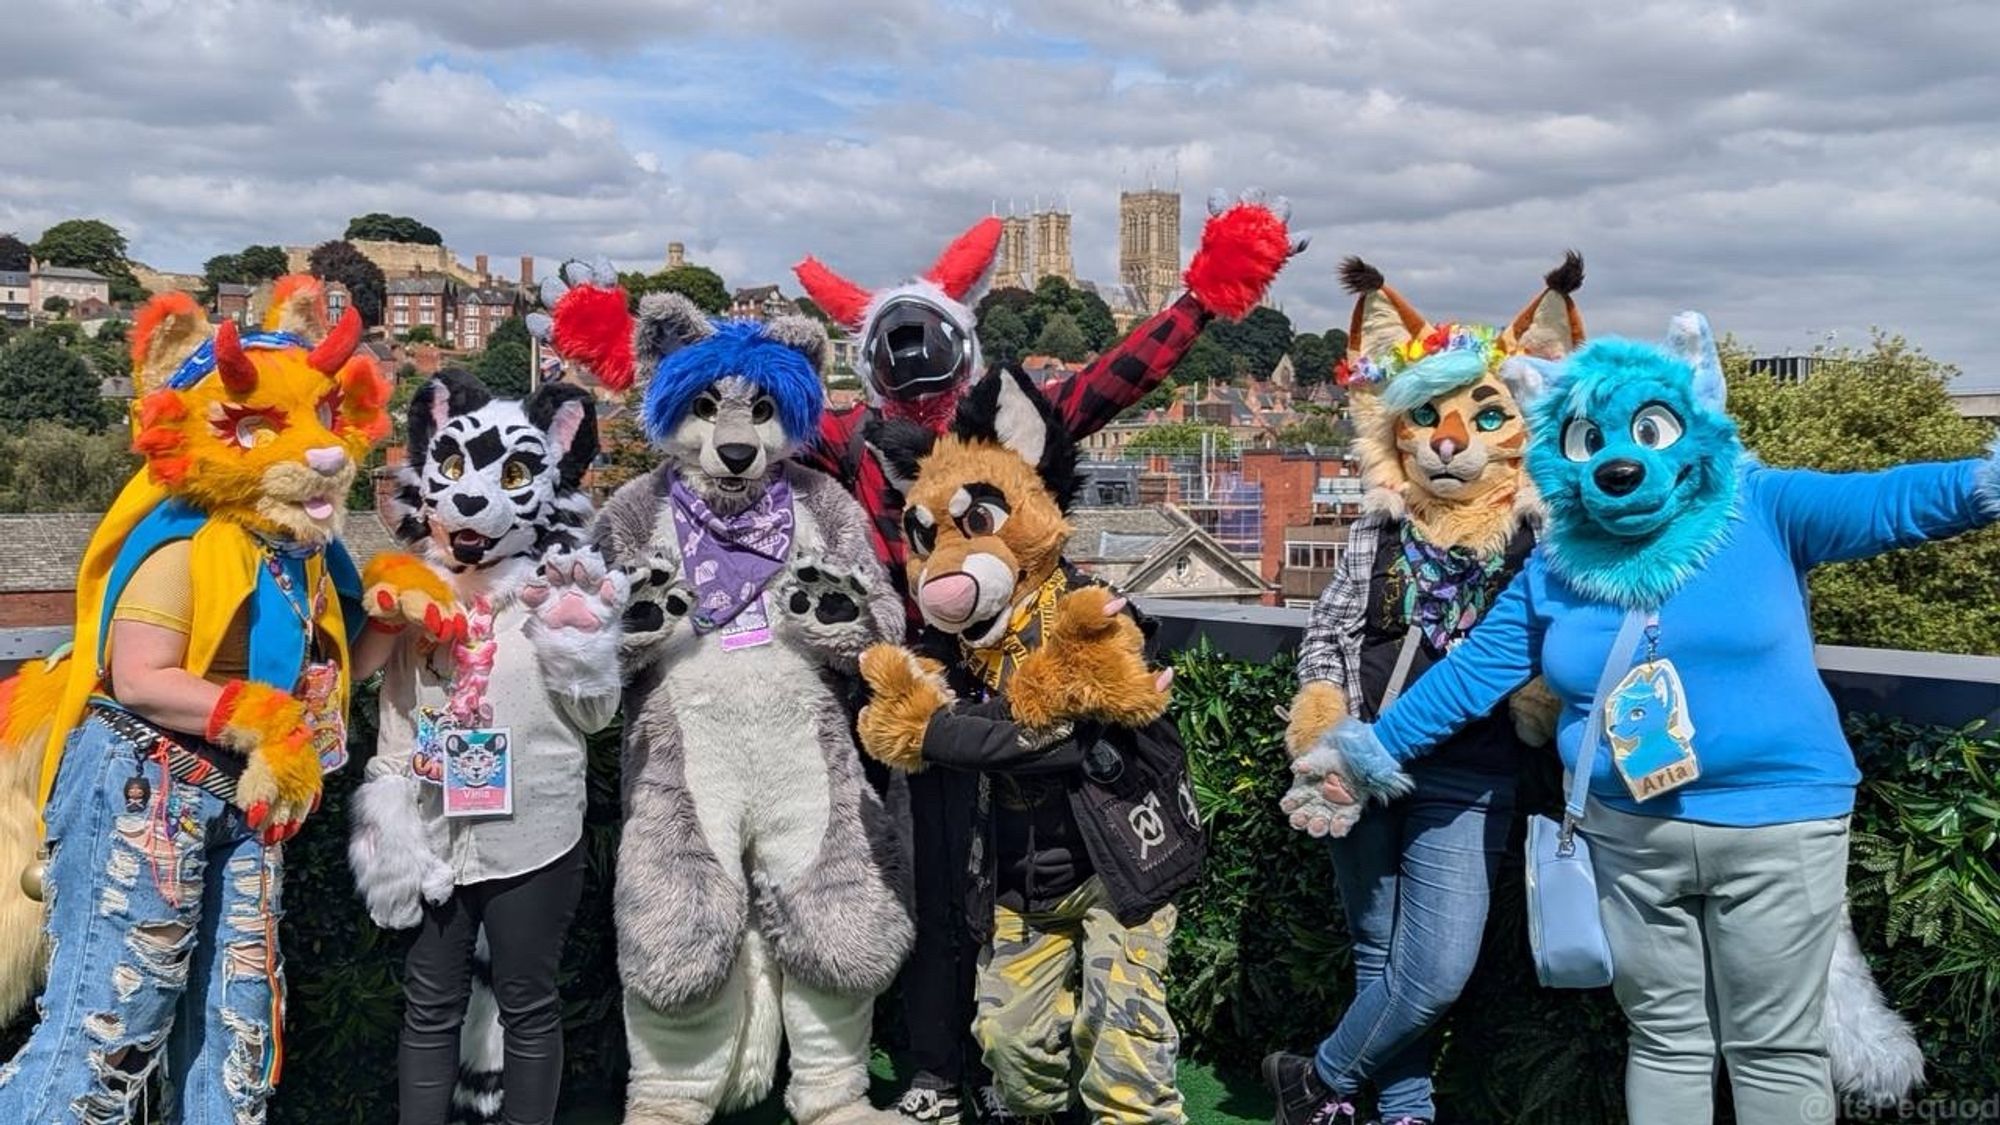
(28, 704)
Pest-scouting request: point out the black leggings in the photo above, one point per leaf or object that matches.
(938, 979)
(526, 918)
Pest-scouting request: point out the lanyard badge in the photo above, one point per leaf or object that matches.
(1646, 720)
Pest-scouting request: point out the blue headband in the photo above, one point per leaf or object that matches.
(197, 366)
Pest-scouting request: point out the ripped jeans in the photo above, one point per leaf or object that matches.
(162, 917)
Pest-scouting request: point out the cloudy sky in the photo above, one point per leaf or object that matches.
(1796, 168)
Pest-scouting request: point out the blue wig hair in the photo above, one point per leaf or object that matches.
(742, 349)
(1432, 376)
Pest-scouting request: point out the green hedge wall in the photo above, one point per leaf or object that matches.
(1262, 958)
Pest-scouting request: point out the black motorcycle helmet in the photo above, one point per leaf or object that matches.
(915, 350)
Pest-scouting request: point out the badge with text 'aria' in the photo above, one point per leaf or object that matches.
(1652, 737)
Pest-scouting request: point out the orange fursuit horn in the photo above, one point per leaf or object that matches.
(333, 352)
(238, 373)
(967, 259)
(839, 298)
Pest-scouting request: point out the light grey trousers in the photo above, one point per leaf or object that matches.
(1720, 941)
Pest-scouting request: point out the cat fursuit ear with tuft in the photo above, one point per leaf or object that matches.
(451, 391)
(1550, 326)
(568, 414)
(898, 446)
(1689, 338)
(1006, 407)
(667, 323)
(1382, 320)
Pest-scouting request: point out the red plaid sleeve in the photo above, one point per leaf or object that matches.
(1099, 393)
(828, 451)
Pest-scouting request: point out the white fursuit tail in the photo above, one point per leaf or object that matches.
(390, 852)
(1875, 1055)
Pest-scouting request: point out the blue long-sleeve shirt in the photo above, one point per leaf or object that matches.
(1767, 737)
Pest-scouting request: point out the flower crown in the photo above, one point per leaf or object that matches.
(1368, 371)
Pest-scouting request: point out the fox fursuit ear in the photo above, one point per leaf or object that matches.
(1689, 338)
(667, 323)
(898, 446)
(1006, 407)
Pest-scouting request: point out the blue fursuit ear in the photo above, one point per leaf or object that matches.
(743, 349)
(1688, 337)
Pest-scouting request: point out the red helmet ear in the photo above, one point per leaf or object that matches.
(967, 259)
(839, 298)
(239, 375)
(333, 352)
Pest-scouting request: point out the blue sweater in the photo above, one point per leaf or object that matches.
(1767, 737)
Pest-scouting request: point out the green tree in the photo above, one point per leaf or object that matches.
(1205, 362)
(1003, 336)
(504, 365)
(262, 263)
(1868, 408)
(91, 244)
(1322, 433)
(54, 468)
(1181, 438)
(1258, 341)
(627, 453)
(809, 307)
(699, 284)
(56, 306)
(1313, 357)
(340, 261)
(421, 334)
(377, 226)
(41, 380)
(1093, 316)
(1061, 338)
(15, 256)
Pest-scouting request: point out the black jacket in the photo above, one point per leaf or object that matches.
(1116, 802)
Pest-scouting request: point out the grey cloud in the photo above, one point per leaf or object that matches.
(1792, 169)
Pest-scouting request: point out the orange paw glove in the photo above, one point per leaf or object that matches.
(280, 785)
(400, 590)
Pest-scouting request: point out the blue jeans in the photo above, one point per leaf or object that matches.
(1415, 878)
(162, 917)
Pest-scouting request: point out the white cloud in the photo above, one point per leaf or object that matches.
(1791, 169)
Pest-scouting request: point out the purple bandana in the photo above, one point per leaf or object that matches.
(730, 559)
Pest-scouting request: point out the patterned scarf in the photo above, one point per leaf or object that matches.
(730, 559)
(1445, 589)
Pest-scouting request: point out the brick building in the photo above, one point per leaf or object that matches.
(480, 311)
(424, 301)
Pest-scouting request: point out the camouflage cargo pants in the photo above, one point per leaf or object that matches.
(1069, 994)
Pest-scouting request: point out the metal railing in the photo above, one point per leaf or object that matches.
(1921, 687)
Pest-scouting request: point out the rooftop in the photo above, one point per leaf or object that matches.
(425, 283)
(69, 273)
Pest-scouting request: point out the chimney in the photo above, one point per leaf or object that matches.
(527, 271)
(479, 267)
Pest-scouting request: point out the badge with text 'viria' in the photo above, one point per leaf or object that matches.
(1652, 738)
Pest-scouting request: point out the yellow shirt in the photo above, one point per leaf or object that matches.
(161, 592)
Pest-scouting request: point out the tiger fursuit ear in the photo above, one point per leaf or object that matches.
(568, 414)
(451, 391)
(1006, 407)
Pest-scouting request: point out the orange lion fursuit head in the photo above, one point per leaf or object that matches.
(1086, 824)
(182, 740)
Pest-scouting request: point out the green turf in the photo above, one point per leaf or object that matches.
(1212, 1099)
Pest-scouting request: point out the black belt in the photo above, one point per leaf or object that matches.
(201, 764)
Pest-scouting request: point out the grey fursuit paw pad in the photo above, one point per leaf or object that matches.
(826, 606)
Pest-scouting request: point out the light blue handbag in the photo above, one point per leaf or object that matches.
(1564, 928)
